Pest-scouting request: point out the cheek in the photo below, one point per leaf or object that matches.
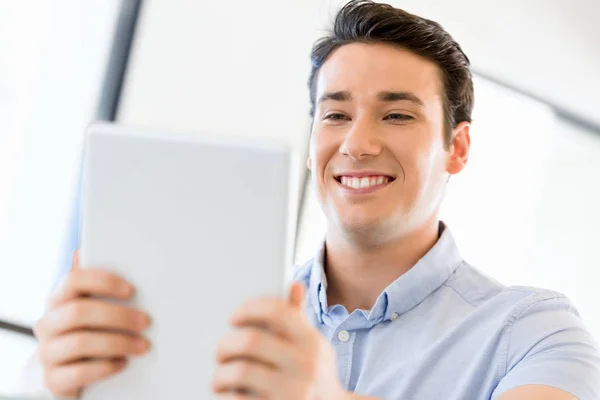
(322, 149)
(429, 168)
(420, 158)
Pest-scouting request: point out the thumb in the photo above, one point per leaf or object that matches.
(296, 296)
(75, 260)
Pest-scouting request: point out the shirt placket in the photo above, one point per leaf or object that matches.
(343, 342)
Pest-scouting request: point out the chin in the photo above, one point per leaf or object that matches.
(371, 225)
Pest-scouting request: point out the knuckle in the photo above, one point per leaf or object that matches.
(43, 354)
(104, 368)
(79, 342)
(47, 354)
(275, 308)
(78, 375)
(251, 339)
(39, 328)
(57, 292)
(71, 280)
(50, 381)
(243, 371)
(109, 282)
(76, 310)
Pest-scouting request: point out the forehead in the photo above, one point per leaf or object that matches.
(367, 69)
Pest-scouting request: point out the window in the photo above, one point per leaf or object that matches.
(525, 210)
(52, 69)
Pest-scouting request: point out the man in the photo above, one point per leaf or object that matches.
(387, 309)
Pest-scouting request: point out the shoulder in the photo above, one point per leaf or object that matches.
(542, 338)
(545, 341)
(473, 286)
(541, 316)
(512, 303)
(478, 289)
(533, 300)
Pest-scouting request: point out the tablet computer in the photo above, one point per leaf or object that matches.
(198, 223)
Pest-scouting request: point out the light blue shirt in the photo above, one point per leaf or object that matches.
(445, 331)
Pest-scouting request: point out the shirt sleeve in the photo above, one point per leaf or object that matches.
(548, 344)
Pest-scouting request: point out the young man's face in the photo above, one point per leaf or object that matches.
(378, 157)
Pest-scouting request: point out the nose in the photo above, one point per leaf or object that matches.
(361, 140)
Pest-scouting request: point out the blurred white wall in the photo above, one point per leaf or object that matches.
(52, 59)
(548, 48)
(228, 67)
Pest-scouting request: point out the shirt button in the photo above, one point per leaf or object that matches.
(394, 316)
(344, 336)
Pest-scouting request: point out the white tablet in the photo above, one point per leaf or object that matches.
(199, 224)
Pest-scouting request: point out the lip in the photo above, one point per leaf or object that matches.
(362, 174)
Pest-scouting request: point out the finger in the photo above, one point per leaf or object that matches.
(246, 376)
(68, 380)
(75, 259)
(276, 316)
(89, 344)
(260, 346)
(91, 282)
(296, 295)
(91, 314)
(240, 396)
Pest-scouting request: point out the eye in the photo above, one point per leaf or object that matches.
(398, 117)
(336, 117)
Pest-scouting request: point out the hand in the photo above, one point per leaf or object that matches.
(82, 339)
(276, 354)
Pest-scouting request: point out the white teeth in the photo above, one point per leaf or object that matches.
(365, 182)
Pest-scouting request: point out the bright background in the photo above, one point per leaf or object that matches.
(525, 211)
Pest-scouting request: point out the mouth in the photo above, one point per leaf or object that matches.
(363, 183)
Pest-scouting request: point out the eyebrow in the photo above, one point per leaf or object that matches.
(386, 96)
(336, 96)
(400, 96)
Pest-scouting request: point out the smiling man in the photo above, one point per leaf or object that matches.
(387, 308)
(406, 317)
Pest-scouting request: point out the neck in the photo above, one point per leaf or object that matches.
(358, 274)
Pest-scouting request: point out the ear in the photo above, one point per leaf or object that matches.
(459, 148)
(309, 163)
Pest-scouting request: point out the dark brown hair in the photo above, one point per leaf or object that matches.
(369, 22)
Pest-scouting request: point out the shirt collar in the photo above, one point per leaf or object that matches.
(317, 287)
(428, 274)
